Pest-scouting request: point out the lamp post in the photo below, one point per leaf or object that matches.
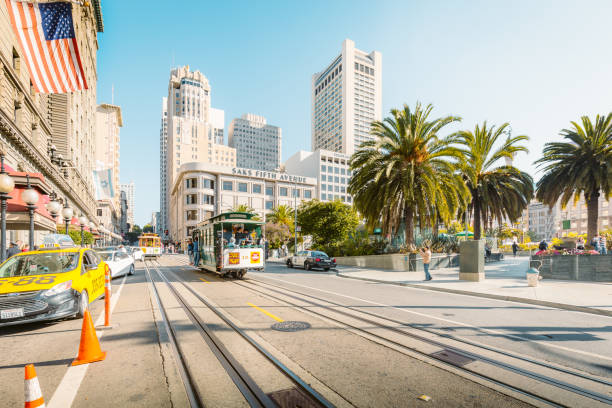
(30, 197)
(67, 213)
(91, 228)
(83, 221)
(6, 186)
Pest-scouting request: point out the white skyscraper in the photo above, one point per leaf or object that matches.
(163, 168)
(190, 134)
(129, 191)
(346, 99)
(257, 144)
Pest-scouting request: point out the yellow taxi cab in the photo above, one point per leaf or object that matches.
(60, 280)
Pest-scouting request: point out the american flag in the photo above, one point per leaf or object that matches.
(46, 34)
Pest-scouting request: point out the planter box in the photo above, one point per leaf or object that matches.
(471, 267)
(399, 262)
(591, 268)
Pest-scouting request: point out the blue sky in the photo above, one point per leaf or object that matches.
(535, 64)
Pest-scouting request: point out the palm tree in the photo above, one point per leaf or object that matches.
(246, 209)
(580, 166)
(283, 214)
(407, 173)
(497, 191)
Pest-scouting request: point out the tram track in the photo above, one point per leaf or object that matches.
(597, 398)
(250, 390)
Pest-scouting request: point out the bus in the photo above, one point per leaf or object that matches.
(150, 244)
(230, 244)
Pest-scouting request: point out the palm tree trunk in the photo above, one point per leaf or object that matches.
(592, 215)
(409, 226)
(476, 218)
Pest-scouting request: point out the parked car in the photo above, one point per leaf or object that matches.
(311, 259)
(120, 263)
(136, 253)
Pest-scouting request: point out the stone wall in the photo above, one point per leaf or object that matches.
(594, 268)
(399, 262)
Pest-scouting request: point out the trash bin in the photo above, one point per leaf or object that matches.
(533, 275)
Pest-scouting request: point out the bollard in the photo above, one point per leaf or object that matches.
(107, 295)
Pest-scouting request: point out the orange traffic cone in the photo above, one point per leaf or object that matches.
(89, 349)
(33, 395)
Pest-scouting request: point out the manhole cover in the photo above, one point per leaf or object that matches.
(452, 358)
(290, 326)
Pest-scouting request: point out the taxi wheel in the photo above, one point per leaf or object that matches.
(131, 272)
(83, 303)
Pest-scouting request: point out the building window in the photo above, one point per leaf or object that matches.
(189, 229)
(337, 189)
(256, 188)
(284, 191)
(243, 188)
(192, 215)
(191, 183)
(206, 183)
(269, 191)
(227, 186)
(208, 199)
(336, 179)
(99, 212)
(191, 198)
(323, 186)
(296, 192)
(330, 187)
(323, 177)
(336, 170)
(269, 205)
(323, 196)
(343, 171)
(307, 194)
(323, 168)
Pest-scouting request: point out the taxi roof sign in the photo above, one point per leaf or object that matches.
(52, 241)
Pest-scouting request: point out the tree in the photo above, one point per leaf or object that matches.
(76, 237)
(147, 228)
(497, 191)
(407, 173)
(580, 166)
(246, 209)
(328, 223)
(283, 214)
(133, 235)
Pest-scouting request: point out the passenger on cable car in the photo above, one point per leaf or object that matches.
(227, 235)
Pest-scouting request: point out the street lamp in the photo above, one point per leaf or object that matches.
(67, 213)
(83, 221)
(6, 186)
(30, 197)
(54, 206)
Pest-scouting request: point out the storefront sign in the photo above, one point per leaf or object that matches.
(268, 175)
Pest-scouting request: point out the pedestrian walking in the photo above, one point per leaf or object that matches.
(426, 254)
(13, 250)
(603, 250)
(595, 242)
(580, 244)
(515, 248)
(196, 252)
(190, 252)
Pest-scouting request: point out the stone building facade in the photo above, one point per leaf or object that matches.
(35, 128)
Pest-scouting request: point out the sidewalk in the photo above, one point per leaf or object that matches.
(505, 280)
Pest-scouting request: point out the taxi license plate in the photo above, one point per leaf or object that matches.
(11, 313)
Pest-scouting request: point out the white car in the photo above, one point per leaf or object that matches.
(120, 263)
(137, 254)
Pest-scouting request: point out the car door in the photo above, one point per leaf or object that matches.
(123, 260)
(93, 275)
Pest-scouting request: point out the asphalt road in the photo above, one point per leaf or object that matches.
(572, 339)
(348, 368)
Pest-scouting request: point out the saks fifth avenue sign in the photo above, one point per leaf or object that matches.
(268, 175)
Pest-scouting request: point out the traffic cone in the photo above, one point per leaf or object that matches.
(33, 395)
(89, 349)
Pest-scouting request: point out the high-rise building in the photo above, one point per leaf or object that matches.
(106, 153)
(330, 169)
(217, 120)
(257, 144)
(189, 130)
(163, 169)
(346, 99)
(129, 191)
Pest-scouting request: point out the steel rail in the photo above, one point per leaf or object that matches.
(560, 384)
(449, 336)
(253, 394)
(190, 388)
(311, 392)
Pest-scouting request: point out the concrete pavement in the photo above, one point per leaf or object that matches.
(505, 280)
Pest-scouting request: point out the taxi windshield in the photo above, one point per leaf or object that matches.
(39, 264)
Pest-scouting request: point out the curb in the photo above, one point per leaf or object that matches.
(555, 305)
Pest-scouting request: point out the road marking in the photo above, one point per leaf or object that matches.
(523, 339)
(69, 386)
(204, 280)
(278, 319)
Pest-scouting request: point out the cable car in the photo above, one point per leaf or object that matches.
(150, 244)
(230, 244)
